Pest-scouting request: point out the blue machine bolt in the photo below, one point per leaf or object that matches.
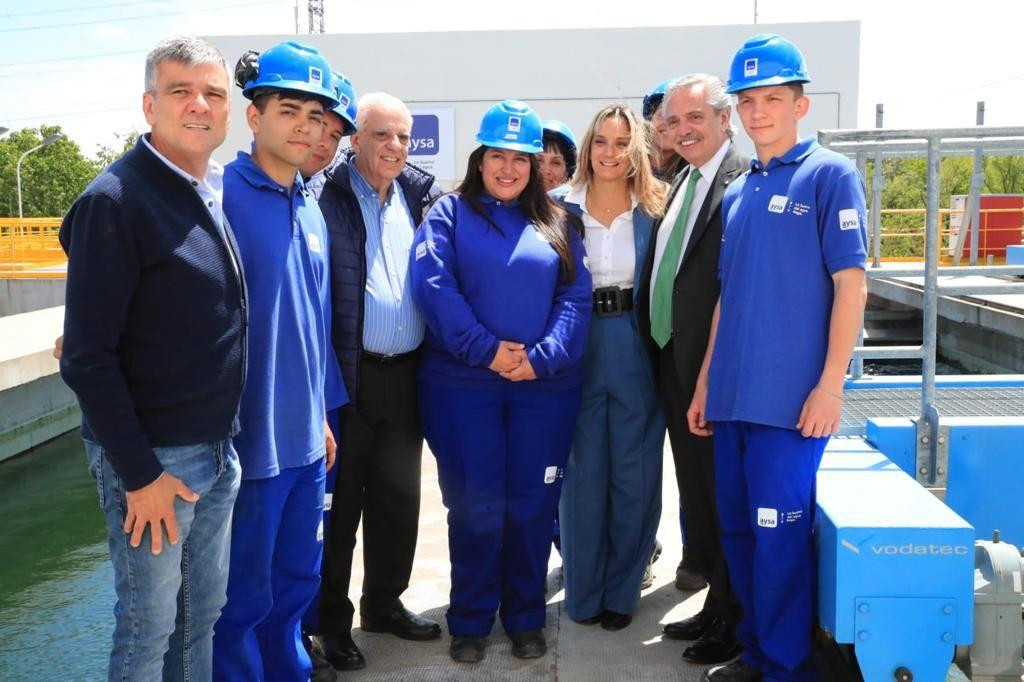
(863, 635)
(948, 609)
(864, 608)
(947, 637)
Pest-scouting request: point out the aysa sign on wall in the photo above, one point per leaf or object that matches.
(432, 147)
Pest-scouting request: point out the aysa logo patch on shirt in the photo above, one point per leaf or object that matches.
(767, 517)
(778, 203)
(421, 250)
(750, 67)
(314, 242)
(552, 474)
(849, 219)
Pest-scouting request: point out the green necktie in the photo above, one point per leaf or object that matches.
(661, 304)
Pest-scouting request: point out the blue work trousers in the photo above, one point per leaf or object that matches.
(611, 499)
(167, 603)
(311, 618)
(276, 547)
(765, 484)
(500, 459)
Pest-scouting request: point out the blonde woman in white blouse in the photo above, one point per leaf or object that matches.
(611, 499)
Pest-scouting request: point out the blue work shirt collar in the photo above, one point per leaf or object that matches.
(259, 179)
(797, 153)
(487, 199)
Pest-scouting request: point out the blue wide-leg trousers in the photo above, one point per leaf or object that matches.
(500, 455)
(611, 499)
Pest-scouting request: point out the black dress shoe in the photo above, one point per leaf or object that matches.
(612, 621)
(688, 579)
(322, 669)
(717, 645)
(693, 627)
(467, 649)
(340, 651)
(404, 624)
(593, 620)
(737, 671)
(528, 644)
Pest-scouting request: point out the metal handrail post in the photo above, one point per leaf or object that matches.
(877, 183)
(974, 199)
(931, 277)
(857, 364)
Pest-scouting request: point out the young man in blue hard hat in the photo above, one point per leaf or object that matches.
(339, 122)
(285, 444)
(793, 293)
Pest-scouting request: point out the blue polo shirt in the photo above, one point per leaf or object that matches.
(293, 375)
(789, 226)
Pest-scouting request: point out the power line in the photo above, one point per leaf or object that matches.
(76, 58)
(65, 114)
(85, 8)
(145, 16)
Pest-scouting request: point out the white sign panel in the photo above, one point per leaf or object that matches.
(432, 147)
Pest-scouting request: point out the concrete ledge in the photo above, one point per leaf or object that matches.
(26, 346)
(28, 295)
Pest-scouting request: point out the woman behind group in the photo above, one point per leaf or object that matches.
(611, 502)
(497, 270)
(557, 163)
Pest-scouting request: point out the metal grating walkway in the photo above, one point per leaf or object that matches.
(996, 401)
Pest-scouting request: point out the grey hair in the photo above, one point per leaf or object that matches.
(379, 100)
(714, 93)
(189, 50)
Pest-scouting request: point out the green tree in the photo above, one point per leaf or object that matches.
(107, 155)
(51, 178)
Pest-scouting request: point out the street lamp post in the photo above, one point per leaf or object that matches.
(50, 139)
(3, 130)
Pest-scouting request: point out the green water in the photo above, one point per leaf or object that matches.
(56, 582)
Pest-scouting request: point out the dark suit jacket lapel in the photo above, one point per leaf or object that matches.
(727, 171)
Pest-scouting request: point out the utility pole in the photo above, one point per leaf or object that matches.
(316, 16)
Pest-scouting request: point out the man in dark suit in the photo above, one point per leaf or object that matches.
(675, 305)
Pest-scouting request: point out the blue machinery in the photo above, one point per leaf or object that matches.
(921, 516)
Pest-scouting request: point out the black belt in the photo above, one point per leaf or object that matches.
(388, 360)
(612, 301)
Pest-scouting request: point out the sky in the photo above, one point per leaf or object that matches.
(79, 63)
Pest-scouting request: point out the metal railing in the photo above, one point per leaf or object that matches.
(932, 438)
(30, 245)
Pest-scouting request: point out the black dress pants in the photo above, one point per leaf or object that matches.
(379, 456)
(694, 460)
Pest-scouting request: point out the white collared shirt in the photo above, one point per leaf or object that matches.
(210, 188)
(707, 175)
(611, 251)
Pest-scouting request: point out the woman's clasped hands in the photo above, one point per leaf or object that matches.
(511, 362)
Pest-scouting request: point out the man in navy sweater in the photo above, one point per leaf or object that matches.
(154, 348)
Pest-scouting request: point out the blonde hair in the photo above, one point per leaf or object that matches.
(650, 192)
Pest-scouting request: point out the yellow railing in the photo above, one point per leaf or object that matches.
(914, 235)
(29, 248)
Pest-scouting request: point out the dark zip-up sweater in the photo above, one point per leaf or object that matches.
(154, 324)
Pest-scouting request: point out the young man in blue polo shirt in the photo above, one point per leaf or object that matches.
(293, 378)
(792, 299)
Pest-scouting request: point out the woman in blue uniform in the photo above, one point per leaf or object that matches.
(611, 503)
(497, 270)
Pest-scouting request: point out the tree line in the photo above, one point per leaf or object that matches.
(52, 177)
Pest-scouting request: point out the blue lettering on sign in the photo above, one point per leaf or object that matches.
(426, 137)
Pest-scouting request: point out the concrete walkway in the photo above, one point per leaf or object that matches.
(575, 652)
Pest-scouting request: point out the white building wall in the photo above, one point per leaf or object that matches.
(563, 73)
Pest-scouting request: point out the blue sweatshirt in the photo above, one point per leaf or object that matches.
(477, 286)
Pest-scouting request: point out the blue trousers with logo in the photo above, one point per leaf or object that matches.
(311, 619)
(500, 456)
(765, 484)
(276, 548)
(611, 499)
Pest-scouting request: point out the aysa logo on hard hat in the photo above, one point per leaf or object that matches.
(750, 67)
(316, 76)
(515, 124)
(343, 100)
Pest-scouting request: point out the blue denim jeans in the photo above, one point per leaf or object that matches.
(167, 603)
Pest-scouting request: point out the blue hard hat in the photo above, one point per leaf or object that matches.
(653, 99)
(511, 124)
(346, 108)
(764, 60)
(287, 66)
(557, 129)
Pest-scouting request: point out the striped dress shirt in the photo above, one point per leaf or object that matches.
(391, 322)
